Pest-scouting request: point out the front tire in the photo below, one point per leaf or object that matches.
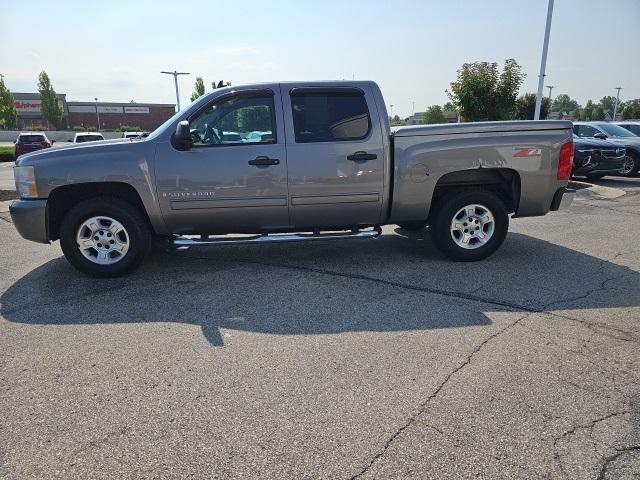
(105, 237)
(469, 225)
(631, 165)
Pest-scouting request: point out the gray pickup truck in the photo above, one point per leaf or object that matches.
(290, 161)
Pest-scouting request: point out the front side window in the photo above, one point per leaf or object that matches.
(329, 117)
(586, 131)
(234, 121)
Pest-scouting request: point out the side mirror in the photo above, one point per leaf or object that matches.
(52, 142)
(600, 136)
(70, 141)
(182, 137)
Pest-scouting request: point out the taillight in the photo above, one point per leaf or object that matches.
(565, 162)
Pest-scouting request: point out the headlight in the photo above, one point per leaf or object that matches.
(25, 182)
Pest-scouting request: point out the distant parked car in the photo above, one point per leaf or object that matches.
(87, 137)
(132, 134)
(595, 158)
(616, 134)
(257, 136)
(632, 125)
(231, 137)
(30, 142)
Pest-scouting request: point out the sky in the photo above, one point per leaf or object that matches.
(115, 50)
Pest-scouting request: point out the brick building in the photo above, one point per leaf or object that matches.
(146, 116)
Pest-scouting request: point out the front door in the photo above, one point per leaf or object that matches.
(234, 177)
(335, 156)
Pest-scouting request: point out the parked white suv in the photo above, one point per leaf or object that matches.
(87, 137)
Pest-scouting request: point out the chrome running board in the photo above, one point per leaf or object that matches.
(182, 242)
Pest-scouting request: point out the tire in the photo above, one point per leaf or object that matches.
(632, 164)
(412, 226)
(490, 217)
(596, 176)
(120, 234)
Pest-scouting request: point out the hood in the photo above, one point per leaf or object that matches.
(594, 143)
(67, 149)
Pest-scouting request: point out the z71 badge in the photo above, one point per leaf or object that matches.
(527, 152)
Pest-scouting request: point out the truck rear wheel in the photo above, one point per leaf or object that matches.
(470, 225)
(105, 237)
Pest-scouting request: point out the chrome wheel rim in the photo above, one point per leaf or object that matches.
(627, 166)
(472, 226)
(102, 240)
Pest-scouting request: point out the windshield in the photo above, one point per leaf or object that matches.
(616, 131)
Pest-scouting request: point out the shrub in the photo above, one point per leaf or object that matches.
(129, 128)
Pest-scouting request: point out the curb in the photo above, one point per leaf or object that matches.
(600, 191)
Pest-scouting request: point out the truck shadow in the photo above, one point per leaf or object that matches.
(396, 283)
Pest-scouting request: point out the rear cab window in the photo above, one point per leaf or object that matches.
(329, 115)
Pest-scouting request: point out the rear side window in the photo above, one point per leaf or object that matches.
(31, 138)
(330, 116)
(89, 138)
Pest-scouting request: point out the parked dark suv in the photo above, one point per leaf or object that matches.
(615, 134)
(30, 142)
(596, 158)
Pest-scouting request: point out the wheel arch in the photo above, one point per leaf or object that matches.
(63, 198)
(504, 182)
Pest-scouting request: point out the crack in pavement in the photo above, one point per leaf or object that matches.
(612, 458)
(571, 431)
(423, 406)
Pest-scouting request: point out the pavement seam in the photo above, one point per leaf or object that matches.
(612, 458)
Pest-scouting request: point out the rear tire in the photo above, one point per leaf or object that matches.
(477, 216)
(105, 237)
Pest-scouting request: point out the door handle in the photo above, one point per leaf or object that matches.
(362, 156)
(264, 161)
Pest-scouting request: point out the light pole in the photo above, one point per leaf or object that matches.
(175, 79)
(97, 114)
(543, 62)
(391, 111)
(550, 87)
(615, 109)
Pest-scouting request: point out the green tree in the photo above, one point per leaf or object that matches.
(598, 113)
(396, 121)
(198, 89)
(50, 105)
(526, 107)
(564, 103)
(608, 103)
(631, 109)
(434, 114)
(480, 92)
(448, 107)
(587, 111)
(576, 114)
(8, 112)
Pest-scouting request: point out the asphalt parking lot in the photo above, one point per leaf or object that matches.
(355, 359)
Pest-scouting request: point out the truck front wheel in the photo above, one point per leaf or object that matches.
(469, 225)
(105, 237)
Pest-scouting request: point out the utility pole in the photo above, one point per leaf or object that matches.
(391, 110)
(543, 62)
(97, 114)
(615, 109)
(175, 79)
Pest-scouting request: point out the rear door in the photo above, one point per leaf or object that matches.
(335, 155)
(225, 183)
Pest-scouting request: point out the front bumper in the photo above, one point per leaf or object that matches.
(30, 219)
(562, 199)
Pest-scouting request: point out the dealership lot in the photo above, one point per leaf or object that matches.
(358, 359)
